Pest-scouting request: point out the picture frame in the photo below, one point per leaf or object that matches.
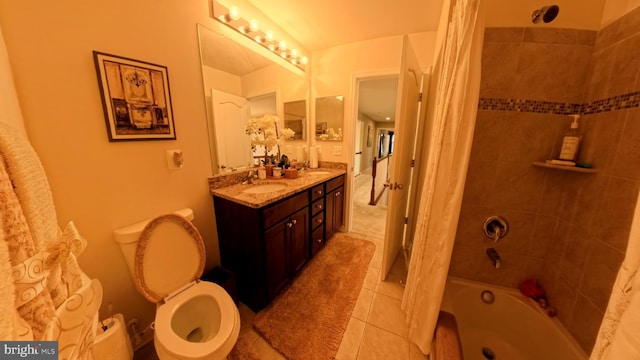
(321, 128)
(369, 136)
(136, 98)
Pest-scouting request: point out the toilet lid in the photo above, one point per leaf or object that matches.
(170, 255)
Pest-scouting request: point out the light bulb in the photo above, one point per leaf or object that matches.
(304, 60)
(294, 53)
(242, 29)
(272, 47)
(253, 25)
(283, 54)
(282, 45)
(269, 36)
(294, 61)
(258, 39)
(234, 13)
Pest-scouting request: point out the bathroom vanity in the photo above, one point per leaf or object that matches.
(268, 230)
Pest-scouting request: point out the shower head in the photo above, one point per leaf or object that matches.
(546, 14)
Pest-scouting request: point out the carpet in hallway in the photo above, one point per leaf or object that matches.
(307, 321)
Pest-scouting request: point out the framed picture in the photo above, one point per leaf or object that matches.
(369, 136)
(135, 98)
(321, 128)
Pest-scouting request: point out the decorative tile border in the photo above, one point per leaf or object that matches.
(619, 102)
(535, 106)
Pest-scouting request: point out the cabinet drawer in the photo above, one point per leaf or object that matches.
(317, 220)
(279, 211)
(317, 192)
(317, 240)
(317, 206)
(334, 183)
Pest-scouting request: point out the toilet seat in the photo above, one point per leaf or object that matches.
(228, 325)
(170, 254)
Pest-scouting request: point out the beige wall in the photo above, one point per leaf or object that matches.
(98, 184)
(569, 230)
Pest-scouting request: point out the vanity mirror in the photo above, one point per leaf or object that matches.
(235, 77)
(329, 118)
(295, 118)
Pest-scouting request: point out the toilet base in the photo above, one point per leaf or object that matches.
(219, 354)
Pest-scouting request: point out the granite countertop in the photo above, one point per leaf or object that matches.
(305, 180)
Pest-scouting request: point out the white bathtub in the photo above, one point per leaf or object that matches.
(513, 327)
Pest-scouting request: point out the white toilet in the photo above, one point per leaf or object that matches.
(194, 319)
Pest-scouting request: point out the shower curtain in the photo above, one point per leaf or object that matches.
(618, 336)
(451, 119)
(44, 295)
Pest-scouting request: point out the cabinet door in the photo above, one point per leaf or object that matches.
(329, 209)
(277, 271)
(334, 209)
(298, 240)
(338, 208)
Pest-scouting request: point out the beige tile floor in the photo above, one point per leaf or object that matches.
(377, 328)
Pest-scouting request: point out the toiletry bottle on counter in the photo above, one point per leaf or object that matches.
(571, 141)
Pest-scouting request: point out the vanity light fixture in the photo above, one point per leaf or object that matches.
(233, 17)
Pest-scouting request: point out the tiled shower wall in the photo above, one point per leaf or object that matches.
(569, 230)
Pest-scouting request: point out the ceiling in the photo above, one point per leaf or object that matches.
(321, 24)
(377, 98)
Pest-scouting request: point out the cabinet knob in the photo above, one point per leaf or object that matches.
(319, 220)
(319, 241)
(289, 224)
(294, 221)
(337, 193)
(319, 206)
(319, 192)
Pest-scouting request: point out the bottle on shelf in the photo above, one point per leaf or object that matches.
(571, 141)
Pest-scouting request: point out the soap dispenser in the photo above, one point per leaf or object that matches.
(571, 141)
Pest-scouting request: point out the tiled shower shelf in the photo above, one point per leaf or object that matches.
(564, 167)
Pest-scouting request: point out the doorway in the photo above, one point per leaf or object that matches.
(377, 96)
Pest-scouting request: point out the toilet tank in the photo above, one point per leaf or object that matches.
(128, 237)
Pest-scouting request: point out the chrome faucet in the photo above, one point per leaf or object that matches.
(249, 179)
(495, 258)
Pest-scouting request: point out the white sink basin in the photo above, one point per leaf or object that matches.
(318, 172)
(264, 188)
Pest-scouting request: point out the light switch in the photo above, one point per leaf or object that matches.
(337, 150)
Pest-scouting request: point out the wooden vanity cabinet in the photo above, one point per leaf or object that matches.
(334, 206)
(264, 247)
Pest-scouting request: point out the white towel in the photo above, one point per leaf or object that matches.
(30, 185)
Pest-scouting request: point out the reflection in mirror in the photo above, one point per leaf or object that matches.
(238, 83)
(385, 143)
(262, 106)
(329, 117)
(295, 118)
(229, 117)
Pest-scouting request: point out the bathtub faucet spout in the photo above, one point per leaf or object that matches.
(495, 258)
